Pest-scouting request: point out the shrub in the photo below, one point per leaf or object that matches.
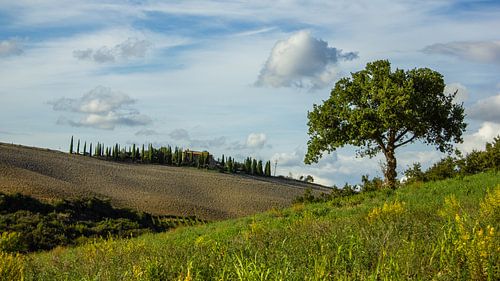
(11, 267)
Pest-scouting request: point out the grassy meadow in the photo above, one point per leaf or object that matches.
(444, 230)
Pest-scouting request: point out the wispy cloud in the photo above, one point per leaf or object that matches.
(146, 132)
(487, 109)
(476, 51)
(302, 61)
(131, 48)
(102, 108)
(10, 47)
(184, 136)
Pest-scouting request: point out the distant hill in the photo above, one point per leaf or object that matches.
(48, 174)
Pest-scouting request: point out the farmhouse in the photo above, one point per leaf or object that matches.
(191, 156)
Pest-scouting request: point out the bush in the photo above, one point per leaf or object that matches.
(449, 167)
(11, 267)
(29, 225)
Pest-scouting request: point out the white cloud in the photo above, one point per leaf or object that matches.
(487, 109)
(129, 49)
(146, 132)
(10, 47)
(102, 108)
(100, 100)
(302, 61)
(256, 140)
(486, 133)
(108, 121)
(476, 51)
(179, 134)
(462, 93)
(183, 135)
(288, 159)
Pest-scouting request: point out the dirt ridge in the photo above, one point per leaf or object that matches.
(47, 174)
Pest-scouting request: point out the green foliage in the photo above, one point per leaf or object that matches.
(248, 165)
(11, 267)
(260, 172)
(10, 242)
(254, 170)
(230, 165)
(449, 167)
(27, 224)
(446, 230)
(444, 169)
(71, 146)
(179, 157)
(267, 169)
(368, 185)
(380, 110)
(415, 173)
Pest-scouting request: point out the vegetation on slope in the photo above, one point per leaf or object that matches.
(446, 230)
(27, 224)
(165, 155)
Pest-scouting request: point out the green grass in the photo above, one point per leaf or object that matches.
(443, 230)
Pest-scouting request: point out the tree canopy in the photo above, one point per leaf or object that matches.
(379, 110)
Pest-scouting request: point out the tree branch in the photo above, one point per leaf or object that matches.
(380, 143)
(401, 135)
(405, 142)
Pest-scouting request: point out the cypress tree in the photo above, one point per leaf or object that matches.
(174, 156)
(117, 151)
(180, 156)
(223, 162)
(150, 153)
(168, 156)
(142, 153)
(254, 167)
(71, 146)
(230, 165)
(90, 150)
(161, 155)
(260, 171)
(248, 165)
(85, 149)
(133, 152)
(267, 170)
(78, 147)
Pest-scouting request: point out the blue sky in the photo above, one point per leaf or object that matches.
(233, 77)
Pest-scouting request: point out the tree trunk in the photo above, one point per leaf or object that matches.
(390, 168)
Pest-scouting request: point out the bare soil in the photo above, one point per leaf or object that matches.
(162, 190)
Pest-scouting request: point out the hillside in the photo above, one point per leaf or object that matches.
(162, 190)
(446, 230)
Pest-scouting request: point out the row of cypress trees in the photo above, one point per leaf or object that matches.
(250, 166)
(165, 155)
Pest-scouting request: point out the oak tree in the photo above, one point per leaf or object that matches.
(379, 110)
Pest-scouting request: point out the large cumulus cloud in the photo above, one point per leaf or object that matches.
(100, 108)
(302, 61)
